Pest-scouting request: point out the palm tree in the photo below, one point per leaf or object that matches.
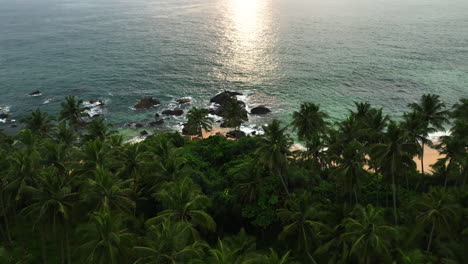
(234, 112)
(460, 110)
(272, 257)
(274, 150)
(65, 134)
(52, 203)
(198, 120)
(393, 157)
(169, 242)
(432, 117)
(184, 201)
(309, 121)
(106, 239)
(73, 111)
(237, 249)
(300, 225)
(106, 190)
(350, 168)
(437, 210)
(369, 236)
(97, 129)
(38, 122)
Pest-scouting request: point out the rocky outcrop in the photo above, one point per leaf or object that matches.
(223, 97)
(174, 112)
(4, 115)
(156, 115)
(260, 110)
(147, 102)
(35, 93)
(144, 133)
(157, 122)
(96, 102)
(235, 134)
(183, 100)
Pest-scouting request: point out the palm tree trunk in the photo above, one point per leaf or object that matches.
(394, 198)
(422, 158)
(67, 245)
(43, 247)
(311, 258)
(355, 197)
(5, 219)
(430, 237)
(284, 184)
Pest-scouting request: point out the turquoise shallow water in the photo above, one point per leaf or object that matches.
(279, 52)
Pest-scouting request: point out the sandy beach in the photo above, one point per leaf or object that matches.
(430, 157)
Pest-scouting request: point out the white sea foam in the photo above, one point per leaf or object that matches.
(3, 120)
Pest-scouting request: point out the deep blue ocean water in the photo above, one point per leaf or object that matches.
(278, 52)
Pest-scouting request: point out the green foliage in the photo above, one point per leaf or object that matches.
(72, 192)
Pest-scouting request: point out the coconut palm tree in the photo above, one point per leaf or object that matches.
(273, 151)
(234, 112)
(432, 115)
(393, 157)
(437, 210)
(65, 134)
(272, 257)
(106, 240)
(73, 111)
(301, 224)
(97, 129)
(184, 201)
(39, 122)
(350, 168)
(309, 121)
(51, 208)
(238, 249)
(169, 242)
(198, 120)
(369, 236)
(106, 190)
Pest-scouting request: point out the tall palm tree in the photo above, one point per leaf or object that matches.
(97, 129)
(39, 122)
(309, 121)
(272, 257)
(106, 190)
(238, 249)
(393, 157)
(52, 203)
(369, 236)
(73, 111)
(302, 226)
(198, 120)
(169, 242)
(350, 168)
(274, 150)
(107, 241)
(65, 134)
(437, 210)
(234, 112)
(432, 115)
(184, 201)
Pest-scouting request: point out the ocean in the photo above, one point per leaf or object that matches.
(278, 53)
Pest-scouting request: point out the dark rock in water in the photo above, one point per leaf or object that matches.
(223, 97)
(254, 133)
(138, 125)
(98, 102)
(235, 134)
(156, 115)
(147, 102)
(157, 122)
(223, 124)
(144, 133)
(98, 116)
(4, 115)
(13, 126)
(35, 93)
(183, 100)
(260, 110)
(175, 112)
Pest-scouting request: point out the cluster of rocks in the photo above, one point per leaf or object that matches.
(220, 100)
